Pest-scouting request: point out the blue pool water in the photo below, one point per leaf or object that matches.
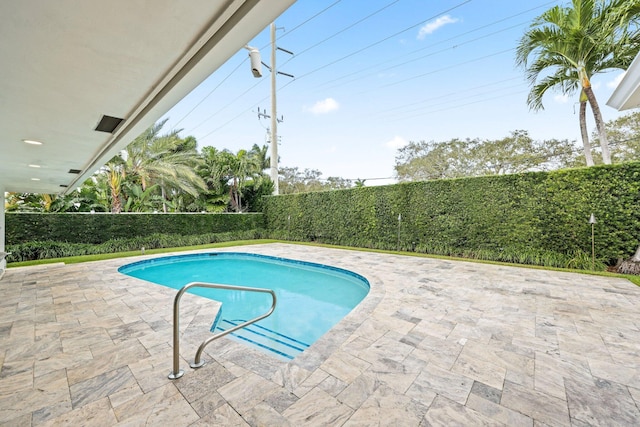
(311, 297)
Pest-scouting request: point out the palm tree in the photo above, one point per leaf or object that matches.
(215, 172)
(566, 45)
(114, 177)
(241, 167)
(260, 156)
(231, 174)
(165, 160)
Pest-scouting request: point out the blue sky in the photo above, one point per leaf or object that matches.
(372, 75)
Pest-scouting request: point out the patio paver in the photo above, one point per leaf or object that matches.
(436, 342)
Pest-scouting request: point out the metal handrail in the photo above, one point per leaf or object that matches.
(197, 363)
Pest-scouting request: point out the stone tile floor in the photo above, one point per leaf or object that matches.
(435, 342)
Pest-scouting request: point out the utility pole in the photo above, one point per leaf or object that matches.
(274, 116)
(274, 119)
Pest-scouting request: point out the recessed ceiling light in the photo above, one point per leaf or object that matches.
(31, 141)
(34, 166)
(35, 179)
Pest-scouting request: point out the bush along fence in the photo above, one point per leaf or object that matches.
(101, 227)
(49, 249)
(537, 218)
(41, 236)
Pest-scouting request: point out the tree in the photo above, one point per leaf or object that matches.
(213, 172)
(165, 160)
(260, 156)
(518, 152)
(567, 45)
(114, 175)
(292, 181)
(231, 174)
(240, 166)
(624, 133)
(422, 161)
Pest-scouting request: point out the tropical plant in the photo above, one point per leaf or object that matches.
(113, 175)
(164, 160)
(260, 156)
(567, 45)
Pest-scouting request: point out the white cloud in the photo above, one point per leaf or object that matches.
(616, 81)
(323, 107)
(431, 26)
(561, 99)
(396, 143)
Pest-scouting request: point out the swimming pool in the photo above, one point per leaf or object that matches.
(312, 298)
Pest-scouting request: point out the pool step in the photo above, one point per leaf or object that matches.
(265, 338)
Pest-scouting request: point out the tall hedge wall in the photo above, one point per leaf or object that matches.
(533, 213)
(99, 227)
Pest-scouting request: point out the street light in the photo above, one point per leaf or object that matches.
(256, 61)
(256, 69)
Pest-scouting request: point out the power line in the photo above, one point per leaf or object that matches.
(235, 117)
(449, 39)
(301, 25)
(462, 105)
(467, 97)
(480, 58)
(226, 105)
(422, 57)
(347, 28)
(449, 95)
(382, 40)
(360, 50)
(209, 94)
(370, 45)
(307, 20)
(245, 60)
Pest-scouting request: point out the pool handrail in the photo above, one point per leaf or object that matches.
(197, 363)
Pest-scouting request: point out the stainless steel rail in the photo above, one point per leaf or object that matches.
(197, 363)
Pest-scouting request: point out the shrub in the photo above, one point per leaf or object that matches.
(101, 227)
(531, 218)
(48, 249)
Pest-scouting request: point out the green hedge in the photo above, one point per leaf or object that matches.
(101, 227)
(533, 218)
(537, 218)
(50, 249)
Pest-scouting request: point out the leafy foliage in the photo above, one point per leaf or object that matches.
(293, 180)
(54, 249)
(99, 228)
(566, 45)
(534, 218)
(518, 152)
(624, 133)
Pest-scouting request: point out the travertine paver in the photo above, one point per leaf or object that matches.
(435, 342)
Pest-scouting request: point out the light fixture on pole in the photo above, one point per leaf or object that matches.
(592, 221)
(399, 223)
(256, 67)
(255, 60)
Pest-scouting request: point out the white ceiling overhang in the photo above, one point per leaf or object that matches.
(67, 63)
(627, 94)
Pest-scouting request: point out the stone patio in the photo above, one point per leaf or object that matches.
(435, 342)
